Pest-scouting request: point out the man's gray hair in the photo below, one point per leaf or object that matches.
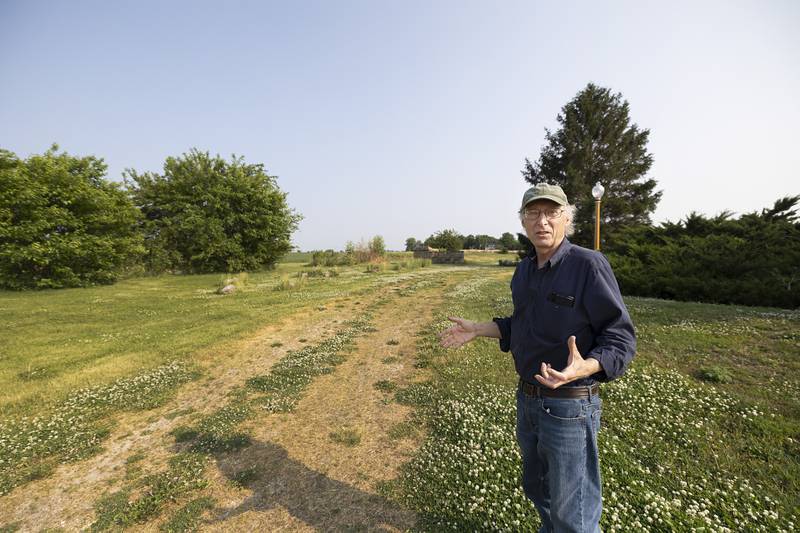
(569, 211)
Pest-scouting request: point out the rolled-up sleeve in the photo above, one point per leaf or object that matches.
(504, 324)
(615, 338)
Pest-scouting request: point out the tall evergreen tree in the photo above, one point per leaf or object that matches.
(595, 141)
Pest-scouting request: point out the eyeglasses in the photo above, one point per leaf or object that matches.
(534, 214)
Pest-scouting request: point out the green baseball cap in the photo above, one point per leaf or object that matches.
(544, 191)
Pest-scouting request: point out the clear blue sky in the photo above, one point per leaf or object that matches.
(401, 118)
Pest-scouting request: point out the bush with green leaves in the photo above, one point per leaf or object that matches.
(331, 258)
(366, 251)
(62, 224)
(752, 260)
(205, 214)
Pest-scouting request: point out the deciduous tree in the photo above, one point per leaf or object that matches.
(205, 214)
(62, 224)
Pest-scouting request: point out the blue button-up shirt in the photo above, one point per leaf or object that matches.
(574, 293)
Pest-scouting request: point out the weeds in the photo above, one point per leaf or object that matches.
(31, 447)
(247, 476)
(185, 474)
(346, 436)
(188, 517)
(386, 386)
(715, 375)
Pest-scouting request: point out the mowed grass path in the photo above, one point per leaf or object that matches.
(71, 358)
(54, 342)
(213, 432)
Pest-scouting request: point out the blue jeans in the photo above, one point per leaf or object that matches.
(560, 467)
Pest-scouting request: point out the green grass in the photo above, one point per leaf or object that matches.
(247, 476)
(678, 452)
(96, 367)
(188, 517)
(56, 341)
(346, 436)
(277, 391)
(296, 257)
(30, 447)
(704, 431)
(386, 386)
(122, 509)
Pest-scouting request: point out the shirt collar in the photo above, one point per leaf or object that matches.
(563, 249)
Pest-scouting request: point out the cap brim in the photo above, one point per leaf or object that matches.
(556, 199)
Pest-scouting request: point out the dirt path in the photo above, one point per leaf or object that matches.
(313, 482)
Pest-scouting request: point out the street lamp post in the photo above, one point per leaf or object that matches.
(597, 192)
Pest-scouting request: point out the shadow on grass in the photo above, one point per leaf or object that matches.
(319, 501)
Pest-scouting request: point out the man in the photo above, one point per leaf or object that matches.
(569, 330)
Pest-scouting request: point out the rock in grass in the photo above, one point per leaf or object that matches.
(228, 289)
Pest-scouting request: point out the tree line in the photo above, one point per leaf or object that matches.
(451, 240)
(62, 224)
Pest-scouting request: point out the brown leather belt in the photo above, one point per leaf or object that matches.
(537, 391)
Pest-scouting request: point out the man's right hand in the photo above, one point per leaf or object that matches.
(461, 333)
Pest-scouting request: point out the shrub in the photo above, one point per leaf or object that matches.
(331, 258)
(62, 224)
(346, 436)
(287, 283)
(377, 247)
(715, 374)
(364, 252)
(205, 214)
(376, 267)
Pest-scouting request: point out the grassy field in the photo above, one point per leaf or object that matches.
(57, 341)
(703, 432)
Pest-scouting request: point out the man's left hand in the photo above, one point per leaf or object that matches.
(577, 367)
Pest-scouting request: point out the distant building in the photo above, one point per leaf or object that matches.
(438, 256)
(452, 258)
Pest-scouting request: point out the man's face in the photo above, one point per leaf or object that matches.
(544, 232)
